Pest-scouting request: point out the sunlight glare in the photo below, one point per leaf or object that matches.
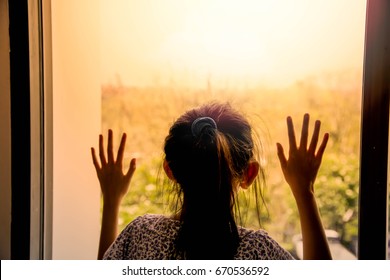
(249, 41)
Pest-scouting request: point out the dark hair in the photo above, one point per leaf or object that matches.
(207, 166)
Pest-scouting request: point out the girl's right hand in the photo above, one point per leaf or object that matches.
(300, 171)
(301, 167)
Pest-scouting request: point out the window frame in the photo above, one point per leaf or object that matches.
(20, 130)
(373, 193)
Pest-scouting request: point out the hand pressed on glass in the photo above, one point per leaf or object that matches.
(301, 167)
(300, 171)
(114, 183)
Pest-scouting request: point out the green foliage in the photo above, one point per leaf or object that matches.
(146, 114)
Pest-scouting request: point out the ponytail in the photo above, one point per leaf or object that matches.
(206, 162)
(208, 227)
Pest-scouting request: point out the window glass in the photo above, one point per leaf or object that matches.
(269, 59)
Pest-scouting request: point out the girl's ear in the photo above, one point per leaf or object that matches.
(250, 175)
(168, 171)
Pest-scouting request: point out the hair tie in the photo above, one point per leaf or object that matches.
(200, 123)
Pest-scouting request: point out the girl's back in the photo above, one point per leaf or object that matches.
(152, 237)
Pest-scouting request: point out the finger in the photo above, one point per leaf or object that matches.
(132, 168)
(304, 132)
(101, 150)
(322, 147)
(314, 139)
(281, 156)
(121, 149)
(110, 153)
(94, 159)
(291, 134)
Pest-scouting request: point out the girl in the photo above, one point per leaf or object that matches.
(209, 155)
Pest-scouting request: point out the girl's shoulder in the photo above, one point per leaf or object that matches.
(258, 244)
(153, 219)
(153, 223)
(143, 233)
(254, 236)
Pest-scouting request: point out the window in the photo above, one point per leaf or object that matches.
(73, 114)
(76, 114)
(269, 59)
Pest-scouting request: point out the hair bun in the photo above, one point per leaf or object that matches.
(200, 123)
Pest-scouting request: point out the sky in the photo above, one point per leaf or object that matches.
(246, 42)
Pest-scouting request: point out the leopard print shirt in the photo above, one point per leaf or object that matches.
(151, 237)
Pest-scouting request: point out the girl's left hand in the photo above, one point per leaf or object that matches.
(114, 183)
